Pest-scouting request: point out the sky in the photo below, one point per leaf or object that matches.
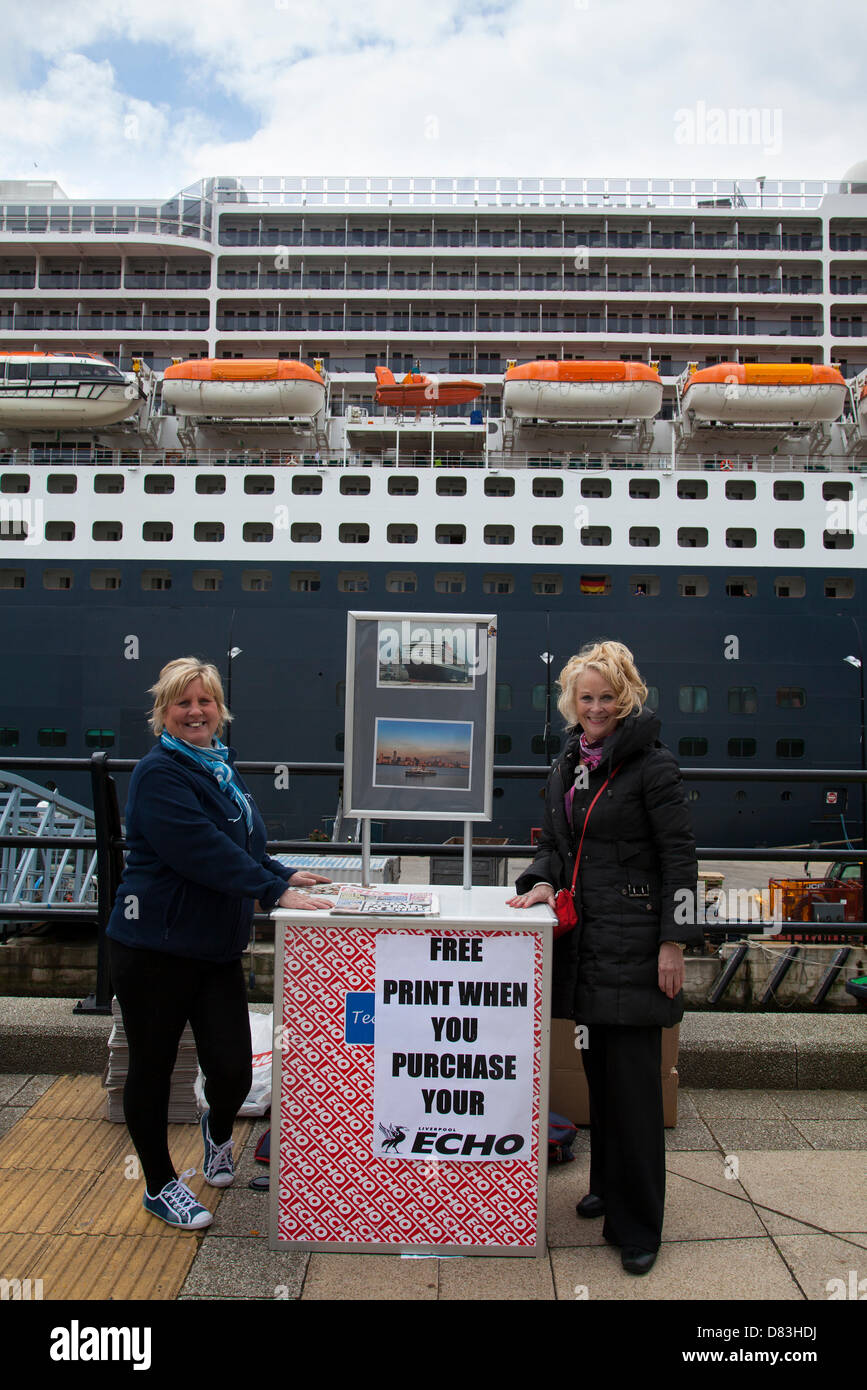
(116, 100)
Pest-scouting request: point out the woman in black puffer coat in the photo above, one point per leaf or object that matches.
(620, 972)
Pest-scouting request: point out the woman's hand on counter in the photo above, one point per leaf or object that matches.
(303, 878)
(539, 893)
(304, 902)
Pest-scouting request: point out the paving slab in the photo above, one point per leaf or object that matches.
(820, 1187)
(834, 1134)
(735, 1135)
(9, 1116)
(567, 1184)
(496, 1280)
(370, 1278)
(822, 1105)
(235, 1267)
(735, 1104)
(696, 1212)
(714, 1170)
(825, 1266)
(10, 1084)
(751, 1269)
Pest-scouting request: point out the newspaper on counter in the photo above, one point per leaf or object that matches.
(381, 901)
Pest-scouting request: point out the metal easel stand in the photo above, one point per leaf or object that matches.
(468, 854)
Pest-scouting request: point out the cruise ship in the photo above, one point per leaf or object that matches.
(632, 408)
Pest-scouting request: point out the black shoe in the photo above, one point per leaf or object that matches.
(636, 1260)
(590, 1207)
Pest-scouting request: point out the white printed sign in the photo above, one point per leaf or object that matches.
(453, 1049)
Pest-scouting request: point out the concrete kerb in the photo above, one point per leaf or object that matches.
(717, 1050)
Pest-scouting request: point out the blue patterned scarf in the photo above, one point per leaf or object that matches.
(214, 760)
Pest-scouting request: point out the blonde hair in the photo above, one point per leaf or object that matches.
(173, 681)
(615, 663)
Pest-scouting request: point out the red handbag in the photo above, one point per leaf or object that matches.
(564, 901)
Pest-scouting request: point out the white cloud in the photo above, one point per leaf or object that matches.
(528, 86)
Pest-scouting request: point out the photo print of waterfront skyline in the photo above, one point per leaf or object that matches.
(431, 753)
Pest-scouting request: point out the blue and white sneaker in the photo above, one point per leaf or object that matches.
(178, 1206)
(218, 1167)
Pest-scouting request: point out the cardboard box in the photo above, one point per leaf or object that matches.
(568, 1084)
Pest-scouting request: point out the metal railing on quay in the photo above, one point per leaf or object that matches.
(110, 844)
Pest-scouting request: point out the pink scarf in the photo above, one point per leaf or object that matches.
(591, 753)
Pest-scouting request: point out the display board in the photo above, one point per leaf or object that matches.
(419, 728)
(410, 1086)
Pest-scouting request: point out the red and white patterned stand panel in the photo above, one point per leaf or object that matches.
(330, 1186)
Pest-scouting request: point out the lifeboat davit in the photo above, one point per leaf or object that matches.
(47, 389)
(249, 388)
(415, 391)
(583, 391)
(765, 393)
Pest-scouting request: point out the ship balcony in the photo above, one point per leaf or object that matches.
(61, 322)
(364, 326)
(310, 284)
(445, 242)
(180, 280)
(69, 280)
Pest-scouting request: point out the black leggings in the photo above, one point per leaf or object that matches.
(158, 995)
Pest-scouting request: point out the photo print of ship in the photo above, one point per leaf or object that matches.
(430, 655)
(432, 753)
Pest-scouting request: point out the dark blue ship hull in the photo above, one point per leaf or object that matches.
(80, 660)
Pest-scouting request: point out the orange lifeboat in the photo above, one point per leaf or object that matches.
(765, 393)
(418, 392)
(583, 391)
(249, 387)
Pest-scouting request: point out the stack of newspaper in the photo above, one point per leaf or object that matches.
(183, 1107)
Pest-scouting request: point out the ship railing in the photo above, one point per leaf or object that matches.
(109, 844)
(499, 460)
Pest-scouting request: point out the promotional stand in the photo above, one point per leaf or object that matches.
(410, 1079)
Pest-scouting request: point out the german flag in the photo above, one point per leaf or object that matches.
(593, 584)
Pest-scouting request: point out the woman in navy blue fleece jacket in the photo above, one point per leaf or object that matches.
(180, 923)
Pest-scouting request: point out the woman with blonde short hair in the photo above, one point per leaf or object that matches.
(181, 920)
(619, 972)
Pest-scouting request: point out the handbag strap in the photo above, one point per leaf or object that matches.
(586, 819)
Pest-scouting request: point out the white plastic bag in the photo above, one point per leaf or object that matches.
(259, 1099)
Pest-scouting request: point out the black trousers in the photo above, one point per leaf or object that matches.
(627, 1137)
(158, 994)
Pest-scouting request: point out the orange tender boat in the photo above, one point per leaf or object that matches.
(418, 392)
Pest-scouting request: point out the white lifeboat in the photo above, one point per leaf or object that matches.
(248, 388)
(49, 389)
(765, 393)
(583, 391)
